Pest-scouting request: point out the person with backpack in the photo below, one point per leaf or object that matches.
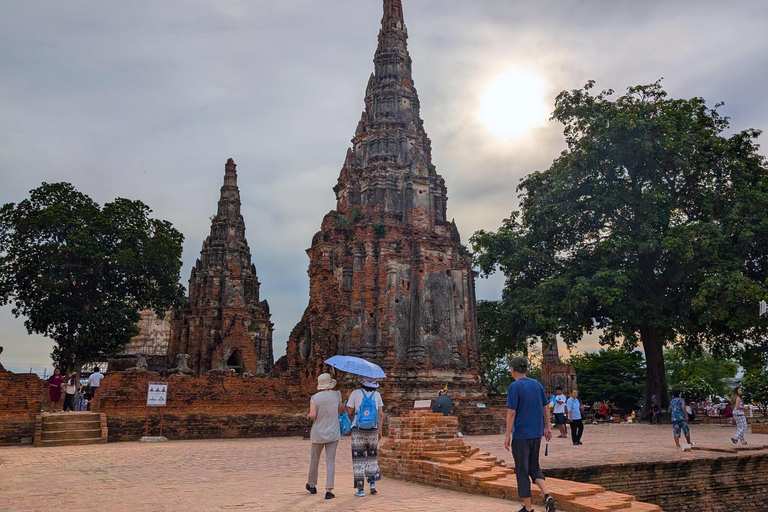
(365, 406)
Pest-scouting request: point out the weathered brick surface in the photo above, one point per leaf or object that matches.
(715, 485)
(216, 405)
(424, 447)
(21, 397)
(760, 428)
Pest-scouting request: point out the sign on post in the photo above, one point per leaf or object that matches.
(156, 393)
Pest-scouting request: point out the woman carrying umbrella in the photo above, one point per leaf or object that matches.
(365, 407)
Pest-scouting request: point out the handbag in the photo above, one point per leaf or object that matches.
(345, 424)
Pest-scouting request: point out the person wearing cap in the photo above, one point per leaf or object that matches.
(365, 441)
(527, 423)
(324, 408)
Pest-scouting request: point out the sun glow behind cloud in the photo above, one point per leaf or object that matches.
(513, 104)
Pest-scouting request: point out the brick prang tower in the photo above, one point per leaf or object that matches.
(389, 278)
(223, 320)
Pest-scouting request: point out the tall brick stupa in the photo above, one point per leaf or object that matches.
(389, 278)
(224, 325)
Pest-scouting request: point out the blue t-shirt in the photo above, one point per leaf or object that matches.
(676, 409)
(527, 397)
(574, 407)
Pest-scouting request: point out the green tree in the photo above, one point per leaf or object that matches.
(496, 352)
(650, 227)
(80, 273)
(755, 385)
(610, 374)
(689, 371)
(695, 388)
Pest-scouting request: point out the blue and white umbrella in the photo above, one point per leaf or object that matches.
(357, 366)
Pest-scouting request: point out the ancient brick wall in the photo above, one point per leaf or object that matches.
(21, 397)
(715, 485)
(215, 405)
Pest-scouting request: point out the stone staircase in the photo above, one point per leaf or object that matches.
(70, 429)
(423, 447)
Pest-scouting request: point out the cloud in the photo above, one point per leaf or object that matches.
(147, 100)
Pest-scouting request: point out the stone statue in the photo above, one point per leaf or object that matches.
(182, 366)
(261, 368)
(141, 364)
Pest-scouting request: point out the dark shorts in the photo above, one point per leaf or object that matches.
(559, 418)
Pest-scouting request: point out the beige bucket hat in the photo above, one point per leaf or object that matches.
(325, 382)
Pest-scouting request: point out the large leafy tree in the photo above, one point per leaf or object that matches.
(650, 227)
(615, 375)
(702, 367)
(80, 273)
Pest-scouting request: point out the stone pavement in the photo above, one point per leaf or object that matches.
(217, 475)
(624, 442)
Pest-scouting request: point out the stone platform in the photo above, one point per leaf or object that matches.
(424, 447)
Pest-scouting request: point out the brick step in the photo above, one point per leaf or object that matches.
(70, 425)
(441, 454)
(575, 488)
(643, 507)
(603, 502)
(66, 417)
(73, 442)
(487, 476)
(55, 435)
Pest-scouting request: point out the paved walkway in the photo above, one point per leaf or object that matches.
(218, 475)
(624, 442)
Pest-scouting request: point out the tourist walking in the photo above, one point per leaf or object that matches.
(573, 406)
(54, 389)
(527, 423)
(679, 418)
(324, 408)
(560, 413)
(70, 390)
(366, 408)
(94, 381)
(737, 403)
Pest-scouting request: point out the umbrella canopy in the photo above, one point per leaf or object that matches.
(357, 366)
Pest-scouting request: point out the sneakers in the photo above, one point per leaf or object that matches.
(734, 441)
(312, 490)
(329, 495)
(360, 493)
(373, 489)
(549, 503)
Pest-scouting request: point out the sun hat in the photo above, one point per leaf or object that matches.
(368, 382)
(325, 382)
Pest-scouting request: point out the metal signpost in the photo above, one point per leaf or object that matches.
(156, 397)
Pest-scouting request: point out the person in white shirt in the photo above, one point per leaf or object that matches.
(94, 381)
(366, 408)
(560, 413)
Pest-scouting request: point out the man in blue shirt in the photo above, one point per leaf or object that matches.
(573, 405)
(527, 423)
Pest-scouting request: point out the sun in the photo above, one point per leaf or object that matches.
(513, 104)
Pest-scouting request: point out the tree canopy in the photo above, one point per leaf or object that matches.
(650, 227)
(615, 375)
(701, 371)
(80, 273)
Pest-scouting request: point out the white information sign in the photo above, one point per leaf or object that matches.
(156, 393)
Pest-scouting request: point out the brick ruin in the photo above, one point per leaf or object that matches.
(554, 372)
(224, 324)
(389, 278)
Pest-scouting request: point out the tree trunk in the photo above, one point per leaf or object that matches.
(655, 373)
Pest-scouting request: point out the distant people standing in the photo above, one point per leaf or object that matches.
(94, 381)
(679, 418)
(573, 405)
(54, 389)
(527, 423)
(737, 403)
(560, 413)
(324, 408)
(70, 390)
(81, 401)
(366, 408)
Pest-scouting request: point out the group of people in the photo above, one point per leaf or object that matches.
(364, 406)
(76, 397)
(568, 411)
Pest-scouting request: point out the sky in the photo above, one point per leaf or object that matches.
(147, 100)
